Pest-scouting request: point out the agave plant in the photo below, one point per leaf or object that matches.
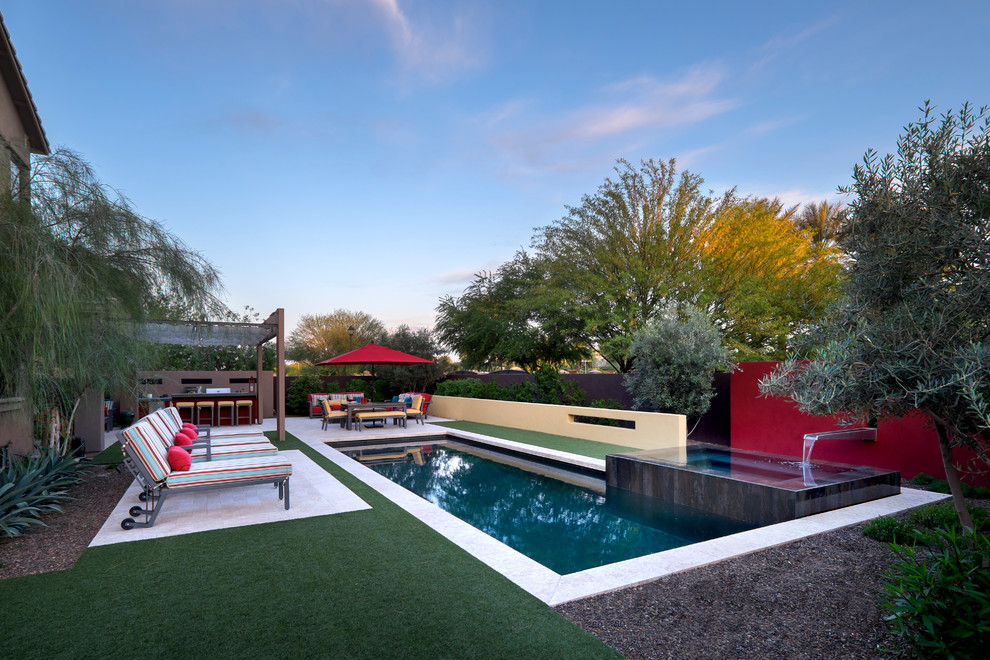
(31, 486)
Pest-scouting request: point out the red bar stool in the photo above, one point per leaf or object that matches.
(229, 407)
(186, 406)
(244, 403)
(200, 407)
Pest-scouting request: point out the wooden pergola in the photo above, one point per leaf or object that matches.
(220, 333)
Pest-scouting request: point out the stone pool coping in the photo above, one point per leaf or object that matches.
(553, 588)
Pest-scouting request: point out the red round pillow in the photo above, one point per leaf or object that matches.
(179, 459)
(190, 429)
(182, 439)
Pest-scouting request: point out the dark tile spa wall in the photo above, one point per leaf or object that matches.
(754, 503)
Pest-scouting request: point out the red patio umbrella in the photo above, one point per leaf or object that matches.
(374, 354)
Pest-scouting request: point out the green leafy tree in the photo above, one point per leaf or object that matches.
(760, 278)
(414, 377)
(650, 239)
(78, 267)
(913, 332)
(508, 317)
(320, 336)
(676, 357)
(824, 221)
(296, 396)
(628, 250)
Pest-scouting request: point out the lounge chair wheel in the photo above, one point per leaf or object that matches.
(143, 496)
(135, 511)
(127, 523)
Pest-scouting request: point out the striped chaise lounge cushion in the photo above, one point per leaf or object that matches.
(230, 472)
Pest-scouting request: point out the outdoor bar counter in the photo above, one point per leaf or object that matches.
(196, 397)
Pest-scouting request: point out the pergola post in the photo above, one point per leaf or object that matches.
(280, 376)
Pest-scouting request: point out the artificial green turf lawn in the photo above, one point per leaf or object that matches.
(365, 584)
(559, 442)
(112, 455)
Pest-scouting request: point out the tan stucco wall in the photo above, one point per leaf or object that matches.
(15, 426)
(11, 127)
(653, 430)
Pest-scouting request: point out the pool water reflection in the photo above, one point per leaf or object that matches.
(568, 521)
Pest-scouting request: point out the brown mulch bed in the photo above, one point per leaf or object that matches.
(813, 598)
(58, 546)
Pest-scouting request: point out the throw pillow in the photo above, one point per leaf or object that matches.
(179, 459)
(190, 431)
(181, 439)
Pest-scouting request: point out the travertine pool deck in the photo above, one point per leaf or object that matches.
(315, 492)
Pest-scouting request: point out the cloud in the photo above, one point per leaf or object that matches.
(427, 51)
(628, 110)
(799, 197)
(457, 277)
(779, 45)
(252, 121)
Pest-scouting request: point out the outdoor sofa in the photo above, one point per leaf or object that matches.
(243, 459)
(313, 400)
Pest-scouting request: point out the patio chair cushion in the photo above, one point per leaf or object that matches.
(230, 472)
(146, 445)
(179, 459)
(171, 415)
(182, 439)
(231, 452)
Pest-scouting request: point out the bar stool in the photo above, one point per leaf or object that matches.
(200, 406)
(244, 403)
(187, 406)
(221, 406)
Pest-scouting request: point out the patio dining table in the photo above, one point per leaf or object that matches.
(351, 407)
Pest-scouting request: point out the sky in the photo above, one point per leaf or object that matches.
(373, 155)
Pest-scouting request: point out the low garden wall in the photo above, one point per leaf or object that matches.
(651, 430)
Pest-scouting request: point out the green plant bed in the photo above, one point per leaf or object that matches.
(367, 584)
(942, 486)
(578, 446)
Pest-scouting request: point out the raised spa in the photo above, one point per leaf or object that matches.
(750, 486)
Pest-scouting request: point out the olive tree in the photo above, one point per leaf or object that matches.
(913, 332)
(676, 356)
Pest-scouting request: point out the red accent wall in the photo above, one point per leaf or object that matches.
(777, 426)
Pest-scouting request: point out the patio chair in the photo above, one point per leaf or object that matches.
(146, 458)
(331, 415)
(415, 409)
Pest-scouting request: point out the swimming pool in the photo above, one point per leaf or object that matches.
(562, 518)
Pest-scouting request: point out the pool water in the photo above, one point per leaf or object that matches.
(568, 522)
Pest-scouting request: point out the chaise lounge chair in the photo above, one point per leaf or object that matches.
(220, 466)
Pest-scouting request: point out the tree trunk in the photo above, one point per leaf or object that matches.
(955, 487)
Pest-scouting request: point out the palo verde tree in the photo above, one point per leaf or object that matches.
(913, 332)
(628, 251)
(510, 316)
(320, 336)
(78, 268)
(650, 239)
(761, 277)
